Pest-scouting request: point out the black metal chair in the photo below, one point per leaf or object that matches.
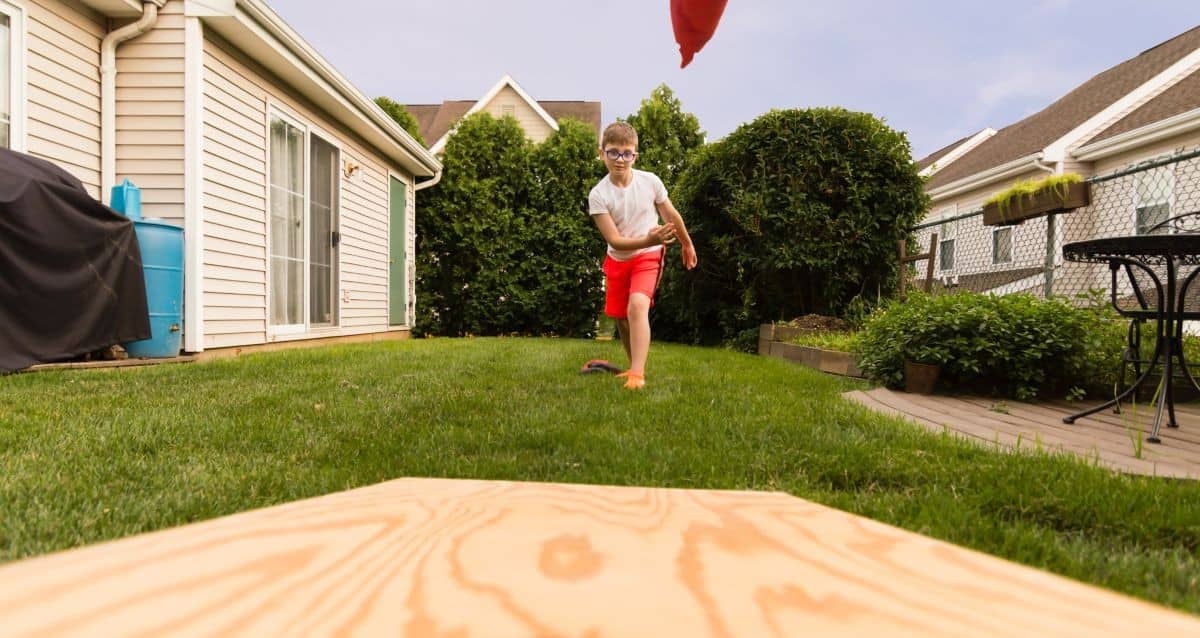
(1139, 308)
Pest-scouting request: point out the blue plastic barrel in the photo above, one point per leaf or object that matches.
(127, 199)
(162, 264)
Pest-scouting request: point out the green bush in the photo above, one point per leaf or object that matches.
(504, 242)
(1011, 345)
(667, 135)
(406, 120)
(797, 212)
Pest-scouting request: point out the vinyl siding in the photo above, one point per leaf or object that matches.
(63, 88)
(149, 103)
(238, 98)
(973, 240)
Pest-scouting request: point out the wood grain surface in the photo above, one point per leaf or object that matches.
(457, 559)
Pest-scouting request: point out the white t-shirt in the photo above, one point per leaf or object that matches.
(632, 208)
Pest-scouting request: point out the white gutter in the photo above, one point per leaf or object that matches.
(108, 93)
(278, 29)
(1148, 134)
(427, 183)
(994, 174)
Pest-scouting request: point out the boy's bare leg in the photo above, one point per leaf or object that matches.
(638, 345)
(623, 329)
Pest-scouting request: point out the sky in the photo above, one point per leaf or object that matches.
(937, 70)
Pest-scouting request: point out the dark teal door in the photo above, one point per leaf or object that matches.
(397, 256)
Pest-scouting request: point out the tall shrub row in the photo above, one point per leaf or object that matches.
(504, 242)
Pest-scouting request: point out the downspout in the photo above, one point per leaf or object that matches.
(108, 93)
(427, 183)
(1053, 169)
(1051, 234)
(437, 177)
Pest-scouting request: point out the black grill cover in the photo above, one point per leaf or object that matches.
(70, 269)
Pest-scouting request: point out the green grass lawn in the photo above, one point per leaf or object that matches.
(94, 455)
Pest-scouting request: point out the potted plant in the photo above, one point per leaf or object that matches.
(922, 365)
(920, 378)
(1034, 198)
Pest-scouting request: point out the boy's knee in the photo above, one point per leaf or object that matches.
(639, 305)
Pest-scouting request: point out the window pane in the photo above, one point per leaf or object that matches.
(287, 224)
(1148, 216)
(1002, 246)
(946, 254)
(321, 214)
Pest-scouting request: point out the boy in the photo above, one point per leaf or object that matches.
(626, 206)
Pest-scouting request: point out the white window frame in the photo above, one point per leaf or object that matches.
(274, 112)
(277, 111)
(995, 256)
(944, 237)
(1168, 173)
(16, 90)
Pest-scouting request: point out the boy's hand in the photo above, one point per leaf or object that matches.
(664, 234)
(689, 256)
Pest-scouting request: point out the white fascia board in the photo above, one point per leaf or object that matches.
(252, 27)
(992, 175)
(1058, 150)
(482, 103)
(1186, 122)
(959, 151)
(120, 8)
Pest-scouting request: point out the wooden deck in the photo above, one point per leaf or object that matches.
(1104, 438)
(428, 557)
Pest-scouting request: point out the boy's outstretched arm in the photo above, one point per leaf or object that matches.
(664, 234)
(667, 210)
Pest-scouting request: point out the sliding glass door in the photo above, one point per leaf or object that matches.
(303, 228)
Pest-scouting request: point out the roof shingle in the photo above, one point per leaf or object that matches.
(1039, 130)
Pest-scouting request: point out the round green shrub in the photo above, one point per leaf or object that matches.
(1011, 345)
(797, 212)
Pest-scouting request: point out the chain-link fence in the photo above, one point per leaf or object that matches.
(1028, 257)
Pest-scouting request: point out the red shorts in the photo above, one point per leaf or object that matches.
(623, 278)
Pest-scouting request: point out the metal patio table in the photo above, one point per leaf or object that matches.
(1142, 253)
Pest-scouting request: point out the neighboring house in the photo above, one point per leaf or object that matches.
(539, 118)
(1140, 109)
(296, 192)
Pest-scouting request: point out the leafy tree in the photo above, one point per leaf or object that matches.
(666, 134)
(504, 243)
(796, 212)
(397, 112)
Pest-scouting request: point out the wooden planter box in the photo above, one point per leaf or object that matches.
(771, 343)
(1040, 203)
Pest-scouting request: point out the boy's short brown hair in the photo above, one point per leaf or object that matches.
(619, 133)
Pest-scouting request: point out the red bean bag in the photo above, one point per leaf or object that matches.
(694, 22)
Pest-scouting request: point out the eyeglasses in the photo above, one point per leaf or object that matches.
(615, 155)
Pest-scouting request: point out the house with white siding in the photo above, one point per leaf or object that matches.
(295, 191)
(1140, 109)
(506, 98)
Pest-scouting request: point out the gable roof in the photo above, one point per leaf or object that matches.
(942, 157)
(928, 160)
(1177, 100)
(436, 120)
(1042, 129)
